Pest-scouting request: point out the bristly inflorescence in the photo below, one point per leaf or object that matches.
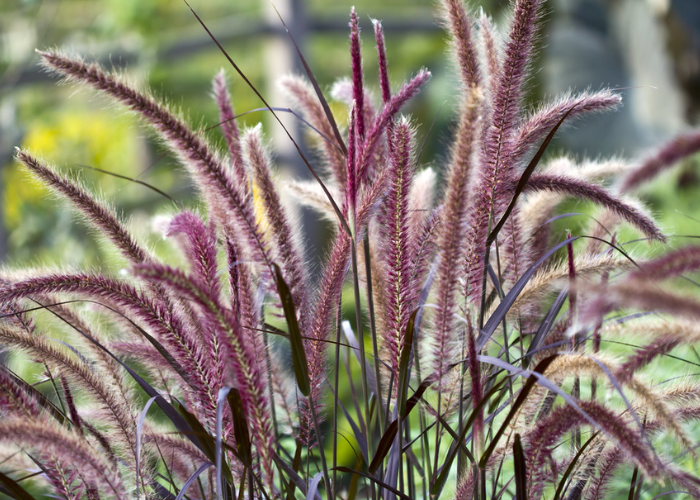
(476, 325)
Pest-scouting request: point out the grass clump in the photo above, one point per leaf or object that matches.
(479, 365)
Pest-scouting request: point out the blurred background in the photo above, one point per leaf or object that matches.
(648, 48)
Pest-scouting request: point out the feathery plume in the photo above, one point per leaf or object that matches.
(303, 94)
(358, 91)
(165, 322)
(96, 214)
(68, 447)
(488, 37)
(639, 294)
(117, 411)
(229, 126)
(397, 262)
(459, 27)
(668, 155)
(200, 248)
(542, 121)
(380, 123)
(669, 265)
(584, 190)
(282, 232)
(205, 166)
(381, 58)
(248, 378)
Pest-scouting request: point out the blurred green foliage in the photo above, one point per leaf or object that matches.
(164, 48)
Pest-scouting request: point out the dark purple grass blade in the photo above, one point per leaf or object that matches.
(343, 222)
(359, 435)
(547, 323)
(460, 441)
(505, 305)
(317, 89)
(135, 181)
(374, 480)
(293, 476)
(240, 427)
(531, 381)
(405, 362)
(296, 463)
(301, 368)
(520, 469)
(14, 489)
(192, 479)
(283, 110)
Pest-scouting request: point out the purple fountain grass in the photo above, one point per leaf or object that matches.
(548, 431)
(669, 154)
(163, 321)
(453, 218)
(204, 165)
(459, 27)
(643, 357)
(303, 94)
(229, 127)
(333, 277)
(384, 85)
(489, 41)
(244, 374)
(587, 191)
(96, 213)
(281, 230)
(396, 244)
(358, 91)
(200, 248)
(639, 294)
(116, 410)
(208, 325)
(245, 299)
(67, 446)
(15, 398)
(496, 150)
(397, 101)
(672, 264)
(543, 120)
